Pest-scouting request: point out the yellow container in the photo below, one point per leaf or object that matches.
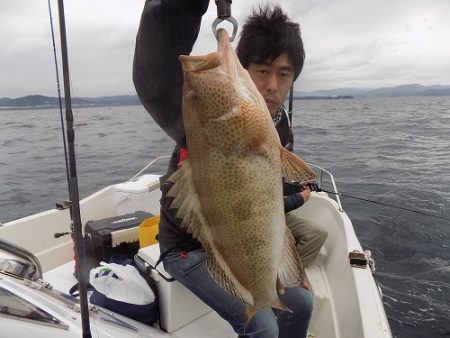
(148, 230)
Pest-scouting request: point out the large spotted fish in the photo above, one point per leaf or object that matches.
(229, 192)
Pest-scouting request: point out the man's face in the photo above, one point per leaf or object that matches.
(273, 80)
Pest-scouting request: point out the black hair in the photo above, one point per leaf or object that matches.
(266, 35)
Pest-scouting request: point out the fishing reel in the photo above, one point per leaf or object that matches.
(314, 186)
(295, 187)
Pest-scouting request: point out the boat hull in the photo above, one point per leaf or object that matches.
(347, 302)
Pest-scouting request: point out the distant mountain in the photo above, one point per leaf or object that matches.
(331, 92)
(324, 97)
(403, 90)
(118, 100)
(37, 101)
(40, 101)
(411, 90)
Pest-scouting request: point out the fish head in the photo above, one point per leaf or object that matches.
(216, 83)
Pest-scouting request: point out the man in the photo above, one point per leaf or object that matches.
(274, 70)
(168, 29)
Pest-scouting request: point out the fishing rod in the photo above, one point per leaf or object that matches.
(66, 160)
(291, 104)
(290, 145)
(314, 187)
(73, 182)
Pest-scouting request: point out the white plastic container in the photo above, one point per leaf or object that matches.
(141, 194)
(177, 305)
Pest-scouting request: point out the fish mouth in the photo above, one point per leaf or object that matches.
(225, 50)
(222, 37)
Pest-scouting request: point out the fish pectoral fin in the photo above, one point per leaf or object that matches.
(293, 168)
(255, 128)
(225, 132)
(290, 273)
(280, 286)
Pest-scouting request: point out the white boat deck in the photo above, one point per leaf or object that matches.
(210, 324)
(347, 303)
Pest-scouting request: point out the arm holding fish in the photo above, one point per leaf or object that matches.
(309, 236)
(295, 196)
(167, 30)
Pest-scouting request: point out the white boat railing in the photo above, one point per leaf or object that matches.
(333, 183)
(321, 170)
(19, 261)
(146, 167)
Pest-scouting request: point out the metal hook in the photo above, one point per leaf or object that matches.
(224, 14)
(229, 19)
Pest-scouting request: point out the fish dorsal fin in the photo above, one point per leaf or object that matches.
(290, 273)
(194, 221)
(293, 168)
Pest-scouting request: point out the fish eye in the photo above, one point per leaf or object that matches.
(192, 95)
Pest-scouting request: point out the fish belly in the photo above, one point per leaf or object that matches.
(243, 203)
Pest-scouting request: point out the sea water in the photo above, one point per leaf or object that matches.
(392, 150)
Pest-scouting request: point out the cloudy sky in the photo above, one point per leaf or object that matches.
(349, 43)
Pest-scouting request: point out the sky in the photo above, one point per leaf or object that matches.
(348, 43)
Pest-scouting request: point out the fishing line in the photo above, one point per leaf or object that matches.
(381, 203)
(63, 129)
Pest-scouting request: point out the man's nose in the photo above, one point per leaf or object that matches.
(272, 83)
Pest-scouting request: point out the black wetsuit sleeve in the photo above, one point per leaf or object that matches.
(292, 197)
(168, 28)
(292, 202)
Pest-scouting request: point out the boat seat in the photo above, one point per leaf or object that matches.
(323, 301)
(317, 276)
(62, 278)
(177, 305)
(321, 257)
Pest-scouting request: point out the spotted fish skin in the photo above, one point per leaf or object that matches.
(229, 192)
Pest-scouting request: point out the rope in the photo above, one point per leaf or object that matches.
(384, 204)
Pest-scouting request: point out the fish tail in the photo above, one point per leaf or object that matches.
(249, 313)
(252, 310)
(277, 304)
